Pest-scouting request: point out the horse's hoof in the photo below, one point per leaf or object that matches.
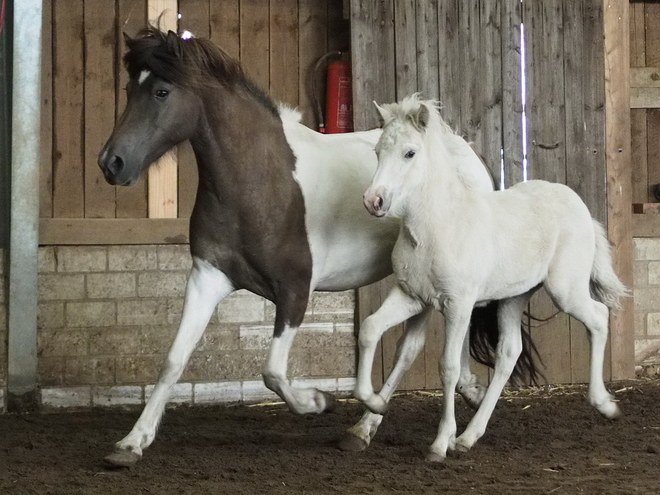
(122, 458)
(352, 443)
(611, 411)
(435, 457)
(461, 447)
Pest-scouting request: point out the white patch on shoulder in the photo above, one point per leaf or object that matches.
(289, 114)
(143, 75)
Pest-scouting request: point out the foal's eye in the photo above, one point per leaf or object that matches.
(409, 154)
(161, 94)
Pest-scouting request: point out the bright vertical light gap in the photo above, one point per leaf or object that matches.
(523, 92)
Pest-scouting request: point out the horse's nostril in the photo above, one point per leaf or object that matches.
(115, 165)
(378, 203)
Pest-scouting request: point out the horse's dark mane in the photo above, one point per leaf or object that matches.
(189, 63)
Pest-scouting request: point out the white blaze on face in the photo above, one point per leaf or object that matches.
(143, 76)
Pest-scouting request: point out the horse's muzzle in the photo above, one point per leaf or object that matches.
(375, 204)
(112, 167)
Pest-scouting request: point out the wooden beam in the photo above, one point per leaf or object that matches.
(616, 51)
(163, 174)
(106, 231)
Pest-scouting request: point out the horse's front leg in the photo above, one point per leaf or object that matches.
(299, 400)
(398, 307)
(359, 436)
(457, 319)
(206, 287)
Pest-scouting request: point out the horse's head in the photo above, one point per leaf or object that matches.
(401, 153)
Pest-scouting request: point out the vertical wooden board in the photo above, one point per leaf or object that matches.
(637, 35)
(46, 156)
(427, 49)
(225, 25)
(68, 114)
(163, 197)
(372, 48)
(131, 17)
(449, 62)
(487, 115)
(512, 105)
(195, 17)
(619, 191)
(312, 39)
(471, 97)
(99, 18)
(254, 40)
(284, 64)
(652, 11)
(641, 192)
(544, 32)
(552, 339)
(405, 54)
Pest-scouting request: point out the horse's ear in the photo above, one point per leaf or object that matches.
(383, 114)
(420, 119)
(127, 38)
(173, 43)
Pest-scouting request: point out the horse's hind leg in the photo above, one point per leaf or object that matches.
(595, 317)
(471, 391)
(206, 287)
(508, 350)
(359, 436)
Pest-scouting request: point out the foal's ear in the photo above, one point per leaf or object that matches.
(384, 115)
(420, 119)
(173, 43)
(127, 38)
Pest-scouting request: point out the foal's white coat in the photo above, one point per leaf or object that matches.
(349, 249)
(459, 246)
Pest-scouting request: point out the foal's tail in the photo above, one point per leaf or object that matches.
(484, 336)
(605, 286)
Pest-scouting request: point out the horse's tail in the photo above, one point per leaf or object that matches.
(605, 286)
(484, 336)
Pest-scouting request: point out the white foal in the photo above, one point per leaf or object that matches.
(459, 247)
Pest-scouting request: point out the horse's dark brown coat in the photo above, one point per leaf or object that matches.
(249, 215)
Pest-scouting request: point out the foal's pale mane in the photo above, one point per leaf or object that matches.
(192, 63)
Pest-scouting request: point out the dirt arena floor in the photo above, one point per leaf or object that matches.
(538, 441)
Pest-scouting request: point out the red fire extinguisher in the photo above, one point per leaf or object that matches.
(339, 97)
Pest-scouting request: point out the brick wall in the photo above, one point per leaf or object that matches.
(647, 304)
(108, 314)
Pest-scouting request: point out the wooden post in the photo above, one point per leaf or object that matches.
(619, 189)
(163, 173)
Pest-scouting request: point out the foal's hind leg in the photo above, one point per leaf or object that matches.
(595, 317)
(471, 391)
(508, 350)
(359, 436)
(206, 287)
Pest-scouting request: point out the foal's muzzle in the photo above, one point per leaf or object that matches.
(113, 168)
(375, 203)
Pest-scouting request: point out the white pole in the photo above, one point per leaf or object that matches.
(24, 206)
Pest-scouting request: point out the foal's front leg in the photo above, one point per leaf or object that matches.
(457, 319)
(398, 307)
(206, 287)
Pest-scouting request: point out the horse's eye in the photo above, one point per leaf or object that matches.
(409, 154)
(161, 94)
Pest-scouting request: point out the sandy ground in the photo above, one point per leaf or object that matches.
(538, 441)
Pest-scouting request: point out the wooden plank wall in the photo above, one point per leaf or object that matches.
(279, 41)
(478, 80)
(645, 122)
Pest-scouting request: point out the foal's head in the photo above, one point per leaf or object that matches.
(168, 78)
(402, 154)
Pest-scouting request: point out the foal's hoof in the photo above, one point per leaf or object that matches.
(122, 458)
(352, 443)
(610, 410)
(435, 457)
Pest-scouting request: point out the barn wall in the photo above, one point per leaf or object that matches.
(467, 54)
(108, 314)
(108, 311)
(645, 52)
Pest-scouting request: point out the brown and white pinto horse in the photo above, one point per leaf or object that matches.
(278, 210)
